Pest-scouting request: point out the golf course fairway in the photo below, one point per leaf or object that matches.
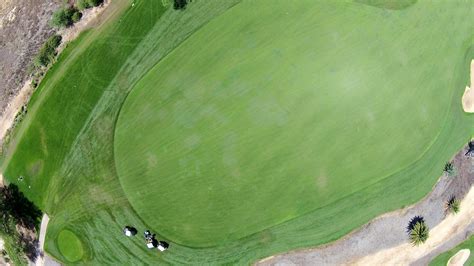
(236, 130)
(245, 127)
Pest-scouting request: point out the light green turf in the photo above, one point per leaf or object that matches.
(253, 122)
(71, 130)
(70, 246)
(443, 258)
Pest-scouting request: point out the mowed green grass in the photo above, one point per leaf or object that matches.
(79, 188)
(73, 89)
(443, 258)
(70, 246)
(266, 114)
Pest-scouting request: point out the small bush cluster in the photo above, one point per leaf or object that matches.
(65, 17)
(84, 4)
(48, 51)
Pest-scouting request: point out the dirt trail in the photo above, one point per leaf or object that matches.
(8, 117)
(384, 241)
(40, 261)
(468, 97)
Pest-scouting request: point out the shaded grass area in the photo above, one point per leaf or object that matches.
(443, 258)
(84, 195)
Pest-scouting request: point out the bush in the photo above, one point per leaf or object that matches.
(48, 51)
(84, 4)
(76, 16)
(65, 17)
(95, 2)
(62, 17)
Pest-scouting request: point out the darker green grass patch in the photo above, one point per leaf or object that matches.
(388, 4)
(70, 246)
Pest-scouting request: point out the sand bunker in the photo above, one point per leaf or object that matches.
(459, 258)
(468, 97)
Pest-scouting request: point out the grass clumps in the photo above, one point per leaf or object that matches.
(418, 231)
(453, 205)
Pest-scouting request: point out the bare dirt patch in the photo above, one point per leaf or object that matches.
(384, 240)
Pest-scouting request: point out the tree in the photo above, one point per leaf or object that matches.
(453, 205)
(48, 51)
(16, 205)
(418, 230)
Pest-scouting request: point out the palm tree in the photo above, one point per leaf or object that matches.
(453, 205)
(418, 230)
(449, 168)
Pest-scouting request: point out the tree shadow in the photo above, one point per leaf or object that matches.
(413, 221)
(23, 211)
(30, 246)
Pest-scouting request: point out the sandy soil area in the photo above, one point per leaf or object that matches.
(459, 258)
(384, 241)
(468, 97)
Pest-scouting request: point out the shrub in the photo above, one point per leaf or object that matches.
(453, 205)
(47, 51)
(83, 4)
(62, 17)
(95, 2)
(76, 16)
(418, 230)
